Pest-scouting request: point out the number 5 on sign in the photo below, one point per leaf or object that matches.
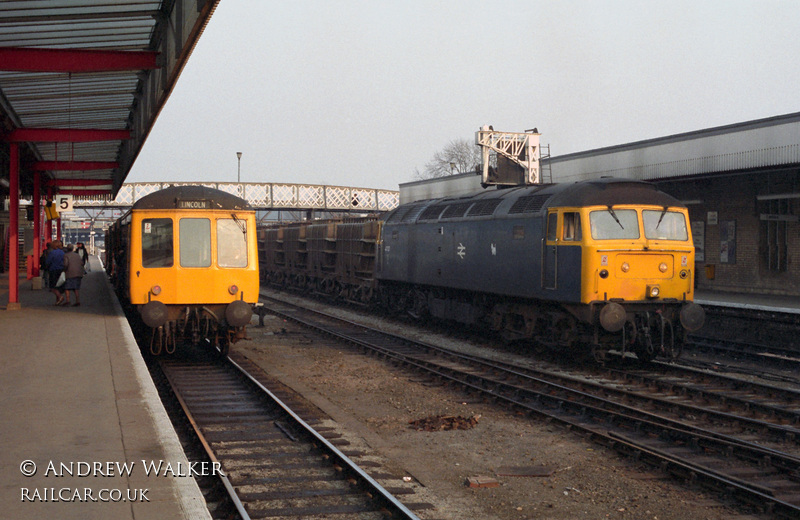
(63, 203)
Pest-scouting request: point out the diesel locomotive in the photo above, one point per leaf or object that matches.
(185, 258)
(594, 266)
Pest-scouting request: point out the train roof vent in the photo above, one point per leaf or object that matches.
(529, 204)
(398, 214)
(432, 212)
(413, 213)
(456, 210)
(484, 207)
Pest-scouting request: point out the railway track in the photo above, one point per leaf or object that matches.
(753, 357)
(724, 434)
(766, 338)
(273, 463)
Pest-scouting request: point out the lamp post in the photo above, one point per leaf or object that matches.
(239, 171)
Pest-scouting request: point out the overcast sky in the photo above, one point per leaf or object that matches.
(363, 93)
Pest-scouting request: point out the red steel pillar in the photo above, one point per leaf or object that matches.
(37, 221)
(13, 231)
(49, 228)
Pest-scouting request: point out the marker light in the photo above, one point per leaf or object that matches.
(662, 267)
(625, 267)
(156, 290)
(653, 291)
(233, 289)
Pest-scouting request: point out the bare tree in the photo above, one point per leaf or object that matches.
(458, 156)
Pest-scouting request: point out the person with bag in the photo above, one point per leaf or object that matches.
(55, 268)
(84, 254)
(73, 272)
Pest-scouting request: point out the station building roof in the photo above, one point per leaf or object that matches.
(83, 81)
(769, 143)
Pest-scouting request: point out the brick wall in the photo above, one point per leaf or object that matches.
(733, 198)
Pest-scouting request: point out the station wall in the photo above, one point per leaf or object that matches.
(746, 230)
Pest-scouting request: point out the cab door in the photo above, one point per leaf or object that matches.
(550, 252)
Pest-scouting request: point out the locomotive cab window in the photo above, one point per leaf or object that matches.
(195, 245)
(571, 227)
(231, 243)
(552, 223)
(157, 242)
(611, 224)
(664, 225)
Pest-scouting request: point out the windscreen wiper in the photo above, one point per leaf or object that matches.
(614, 216)
(661, 217)
(240, 223)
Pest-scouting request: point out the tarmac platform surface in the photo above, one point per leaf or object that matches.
(749, 301)
(81, 415)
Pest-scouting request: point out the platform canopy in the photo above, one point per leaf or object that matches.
(83, 81)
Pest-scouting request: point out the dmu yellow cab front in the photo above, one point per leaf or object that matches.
(193, 256)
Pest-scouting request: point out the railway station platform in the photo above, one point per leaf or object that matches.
(748, 301)
(82, 426)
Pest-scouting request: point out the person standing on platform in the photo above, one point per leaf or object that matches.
(73, 270)
(55, 266)
(84, 254)
(43, 265)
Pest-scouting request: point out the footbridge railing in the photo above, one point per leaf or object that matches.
(268, 196)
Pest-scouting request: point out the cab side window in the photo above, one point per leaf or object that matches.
(552, 223)
(571, 227)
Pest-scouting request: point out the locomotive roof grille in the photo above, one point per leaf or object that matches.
(412, 213)
(529, 204)
(531, 200)
(432, 212)
(456, 210)
(399, 214)
(483, 208)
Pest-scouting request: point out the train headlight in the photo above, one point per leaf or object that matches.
(662, 267)
(233, 289)
(156, 290)
(625, 267)
(653, 291)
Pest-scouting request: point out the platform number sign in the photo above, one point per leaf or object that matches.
(63, 203)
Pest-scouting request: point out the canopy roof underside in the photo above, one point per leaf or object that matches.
(75, 88)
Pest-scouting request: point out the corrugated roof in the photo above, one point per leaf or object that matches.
(102, 100)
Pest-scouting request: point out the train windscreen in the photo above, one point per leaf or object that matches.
(195, 242)
(231, 243)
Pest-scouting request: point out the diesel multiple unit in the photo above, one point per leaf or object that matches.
(185, 258)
